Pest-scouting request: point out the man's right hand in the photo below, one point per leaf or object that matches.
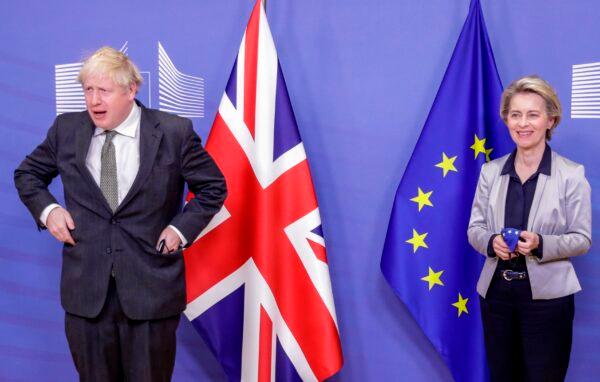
(60, 223)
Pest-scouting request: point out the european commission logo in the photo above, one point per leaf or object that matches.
(178, 93)
(585, 91)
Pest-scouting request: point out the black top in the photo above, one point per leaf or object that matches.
(519, 198)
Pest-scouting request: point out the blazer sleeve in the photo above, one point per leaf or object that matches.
(35, 173)
(479, 232)
(577, 238)
(205, 181)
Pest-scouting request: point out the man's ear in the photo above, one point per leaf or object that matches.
(133, 88)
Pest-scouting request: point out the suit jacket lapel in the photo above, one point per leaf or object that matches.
(501, 203)
(540, 188)
(537, 197)
(150, 137)
(83, 139)
(499, 208)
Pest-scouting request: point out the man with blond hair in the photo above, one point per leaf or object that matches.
(123, 169)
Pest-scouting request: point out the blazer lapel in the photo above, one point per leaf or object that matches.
(499, 195)
(150, 137)
(501, 203)
(83, 139)
(537, 197)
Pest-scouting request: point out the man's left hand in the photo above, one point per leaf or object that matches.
(532, 241)
(172, 240)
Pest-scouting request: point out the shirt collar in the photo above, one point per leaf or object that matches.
(543, 168)
(129, 126)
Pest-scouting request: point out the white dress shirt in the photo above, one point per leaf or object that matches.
(127, 152)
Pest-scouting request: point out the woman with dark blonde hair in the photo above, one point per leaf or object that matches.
(530, 214)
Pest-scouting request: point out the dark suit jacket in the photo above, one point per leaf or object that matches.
(150, 285)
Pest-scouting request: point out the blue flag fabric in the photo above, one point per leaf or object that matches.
(427, 259)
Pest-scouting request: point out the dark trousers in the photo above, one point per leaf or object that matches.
(525, 339)
(112, 347)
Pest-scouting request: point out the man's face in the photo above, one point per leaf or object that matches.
(107, 103)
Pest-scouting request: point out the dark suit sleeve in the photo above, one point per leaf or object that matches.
(35, 173)
(539, 251)
(490, 248)
(205, 181)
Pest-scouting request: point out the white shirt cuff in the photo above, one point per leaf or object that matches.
(181, 237)
(46, 212)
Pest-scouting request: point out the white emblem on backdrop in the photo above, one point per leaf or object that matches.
(179, 93)
(69, 95)
(585, 91)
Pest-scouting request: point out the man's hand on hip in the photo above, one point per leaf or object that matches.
(60, 224)
(171, 238)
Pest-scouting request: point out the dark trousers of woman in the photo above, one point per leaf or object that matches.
(525, 339)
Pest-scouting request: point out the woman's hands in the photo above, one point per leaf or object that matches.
(528, 242)
(500, 248)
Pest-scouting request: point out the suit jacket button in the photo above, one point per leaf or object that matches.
(108, 250)
(114, 221)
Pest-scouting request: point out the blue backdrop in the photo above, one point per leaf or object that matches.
(362, 77)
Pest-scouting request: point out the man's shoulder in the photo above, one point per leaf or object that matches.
(168, 119)
(66, 123)
(71, 118)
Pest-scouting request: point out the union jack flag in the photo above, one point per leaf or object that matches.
(258, 282)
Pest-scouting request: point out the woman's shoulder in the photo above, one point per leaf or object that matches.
(566, 168)
(564, 162)
(494, 166)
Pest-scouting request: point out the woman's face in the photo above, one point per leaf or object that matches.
(528, 121)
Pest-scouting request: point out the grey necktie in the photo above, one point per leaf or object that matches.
(108, 171)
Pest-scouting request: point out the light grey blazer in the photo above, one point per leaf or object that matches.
(561, 213)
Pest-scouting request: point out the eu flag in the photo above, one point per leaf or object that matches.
(427, 259)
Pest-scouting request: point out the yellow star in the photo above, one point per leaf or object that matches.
(422, 199)
(461, 305)
(479, 146)
(447, 164)
(433, 278)
(487, 154)
(417, 240)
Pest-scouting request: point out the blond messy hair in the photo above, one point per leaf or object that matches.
(108, 61)
(536, 85)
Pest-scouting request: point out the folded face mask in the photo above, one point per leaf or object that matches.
(511, 237)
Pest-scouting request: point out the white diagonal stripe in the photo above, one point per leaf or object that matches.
(216, 293)
(265, 173)
(592, 64)
(317, 270)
